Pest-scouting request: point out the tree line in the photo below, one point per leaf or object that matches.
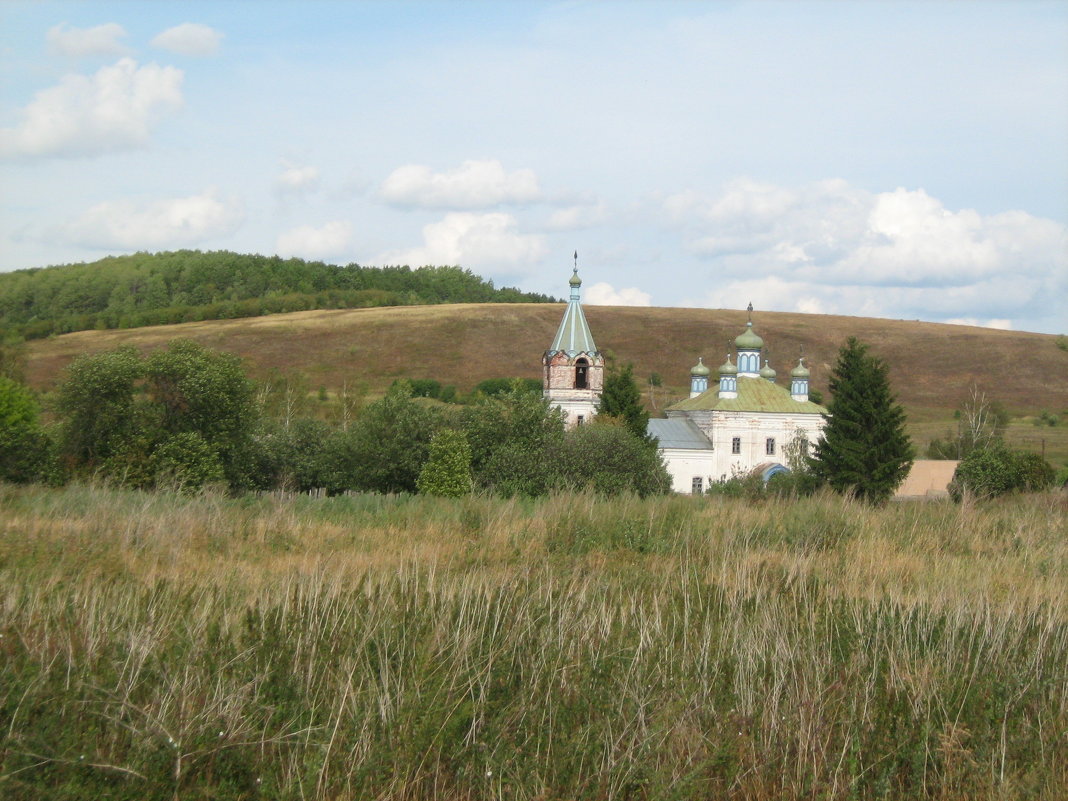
(189, 285)
(187, 417)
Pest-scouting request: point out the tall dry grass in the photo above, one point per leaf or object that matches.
(155, 646)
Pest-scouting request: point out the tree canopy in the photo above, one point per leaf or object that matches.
(621, 398)
(119, 410)
(865, 451)
(447, 471)
(609, 459)
(25, 449)
(190, 285)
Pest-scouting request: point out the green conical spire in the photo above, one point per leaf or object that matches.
(574, 336)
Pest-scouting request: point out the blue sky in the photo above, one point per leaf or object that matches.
(889, 159)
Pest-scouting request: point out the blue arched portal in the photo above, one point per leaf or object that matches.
(773, 470)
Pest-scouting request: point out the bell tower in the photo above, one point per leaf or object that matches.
(572, 367)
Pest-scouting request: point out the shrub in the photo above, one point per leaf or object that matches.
(448, 470)
(749, 486)
(424, 387)
(515, 439)
(387, 446)
(493, 387)
(794, 484)
(610, 459)
(186, 462)
(25, 449)
(293, 458)
(990, 472)
(1061, 478)
(1036, 474)
(27, 455)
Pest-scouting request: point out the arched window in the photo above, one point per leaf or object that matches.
(581, 379)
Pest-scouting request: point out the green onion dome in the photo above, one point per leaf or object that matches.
(575, 280)
(767, 372)
(727, 368)
(748, 340)
(800, 371)
(699, 368)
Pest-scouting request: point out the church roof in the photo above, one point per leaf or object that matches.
(678, 432)
(754, 395)
(574, 335)
(748, 339)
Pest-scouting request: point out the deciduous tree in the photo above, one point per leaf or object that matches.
(96, 400)
(515, 441)
(609, 459)
(203, 391)
(25, 448)
(447, 471)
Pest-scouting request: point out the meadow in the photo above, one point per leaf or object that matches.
(159, 646)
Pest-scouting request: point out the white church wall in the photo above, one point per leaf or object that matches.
(753, 430)
(579, 406)
(684, 465)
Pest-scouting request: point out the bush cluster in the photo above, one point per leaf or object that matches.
(187, 417)
(999, 470)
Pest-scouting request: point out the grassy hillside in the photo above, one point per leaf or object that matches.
(159, 647)
(932, 366)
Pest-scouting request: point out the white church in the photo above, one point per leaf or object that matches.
(740, 426)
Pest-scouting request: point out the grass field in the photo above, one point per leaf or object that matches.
(1022, 433)
(161, 647)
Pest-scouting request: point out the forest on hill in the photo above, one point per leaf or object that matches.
(183, 286)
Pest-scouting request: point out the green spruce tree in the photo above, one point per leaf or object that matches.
(621, 398)
(865, 451)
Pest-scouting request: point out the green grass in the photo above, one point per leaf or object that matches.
(155, 646)
(1022, 433)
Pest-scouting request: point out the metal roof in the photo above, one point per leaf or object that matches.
(754, 395)
(574, 335)
(678, 432)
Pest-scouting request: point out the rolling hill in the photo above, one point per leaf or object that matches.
(932, 365)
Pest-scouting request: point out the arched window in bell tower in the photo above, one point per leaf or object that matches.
(581, 378)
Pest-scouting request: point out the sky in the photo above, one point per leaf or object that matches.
(903, 160)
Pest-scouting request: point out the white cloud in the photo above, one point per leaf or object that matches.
(832, 248)
(189, 39)
(155, 224)
(472, 185)
(308, 242)
(1000, 324)
(100, 40)
(296, 179)
(602, 294)
(574, 218)
(113, 109)
(983, 299)
(490, 241)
